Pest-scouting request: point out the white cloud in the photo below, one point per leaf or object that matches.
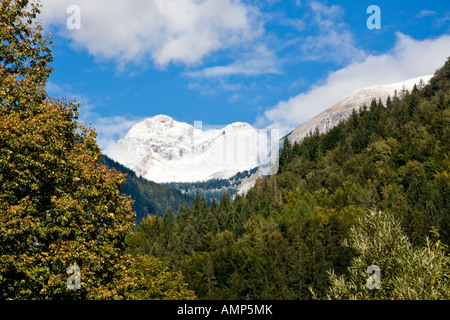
(167, 31)
(111, 129)
(108, 129)
(333, 40)
(410, 58)
(426, 13)
(261, 61)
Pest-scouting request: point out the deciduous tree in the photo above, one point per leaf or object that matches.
(59, 206)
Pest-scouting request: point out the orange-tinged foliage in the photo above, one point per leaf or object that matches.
(58, 205)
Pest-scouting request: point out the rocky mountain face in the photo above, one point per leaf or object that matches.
(161, 149)
(343, 109)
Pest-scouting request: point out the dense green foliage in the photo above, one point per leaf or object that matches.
(406, 272)
(149, 198)
(156, 282)
(284, 238)
(59, 207)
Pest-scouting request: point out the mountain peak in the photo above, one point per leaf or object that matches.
(338, 112)
(237, 126)
(164, 150)
(160, 118)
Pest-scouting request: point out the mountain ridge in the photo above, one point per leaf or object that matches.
(341, 110)
(162, 149)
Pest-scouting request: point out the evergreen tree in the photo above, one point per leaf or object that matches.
(285, 154)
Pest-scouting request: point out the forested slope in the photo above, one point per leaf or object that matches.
(282, 239)
(149, 197)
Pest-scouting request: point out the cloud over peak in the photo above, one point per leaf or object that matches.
(166, 31)
(408, 59)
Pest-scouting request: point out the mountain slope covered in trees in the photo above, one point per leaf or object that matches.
(149, 197)
(287, 238)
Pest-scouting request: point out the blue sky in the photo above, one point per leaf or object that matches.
(272, 63)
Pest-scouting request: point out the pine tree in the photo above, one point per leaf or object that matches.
(285, 154)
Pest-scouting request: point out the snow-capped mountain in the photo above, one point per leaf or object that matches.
(164, 150)
(343, 109)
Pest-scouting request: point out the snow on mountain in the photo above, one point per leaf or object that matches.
(343, 109)
(164, 150)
